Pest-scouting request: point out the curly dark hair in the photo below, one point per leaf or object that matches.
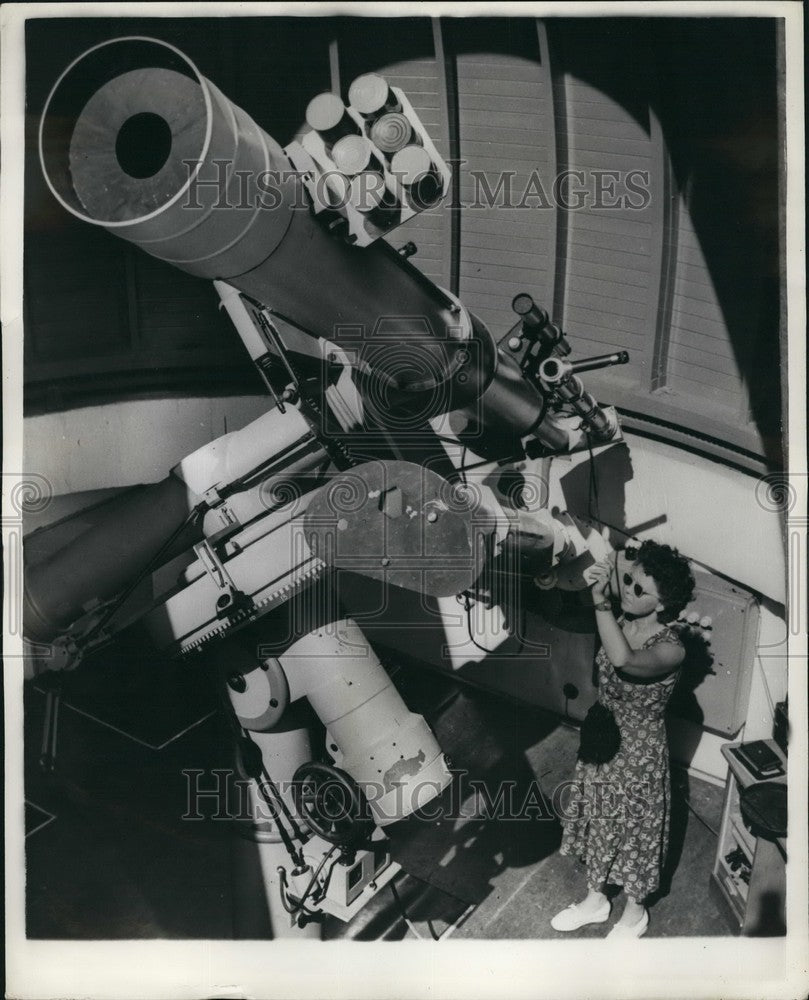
(672, 574)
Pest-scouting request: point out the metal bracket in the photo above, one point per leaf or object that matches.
(212, 497)
(230, 598)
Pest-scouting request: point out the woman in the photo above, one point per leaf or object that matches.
(620, 829)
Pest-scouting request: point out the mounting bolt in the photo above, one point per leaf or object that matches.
(385, 561)
(514, 343)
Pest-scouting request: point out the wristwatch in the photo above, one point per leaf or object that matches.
(603, 606)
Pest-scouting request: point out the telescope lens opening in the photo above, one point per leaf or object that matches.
(143, 145)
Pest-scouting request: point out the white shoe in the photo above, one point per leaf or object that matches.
(575, 916)
(633, 931)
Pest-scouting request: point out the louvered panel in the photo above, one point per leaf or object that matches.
(626, 259)
(505, 122)
(490, 141)
(608, 331)
(711, 397)
(632, 225)
(523, 260)
(603, 286)
(488, 241)
(702, 360)
(605, 153)
(509, 126)
(502, 61)
(491, 288)
(630, 315)
(706, 343)
(619, 129)
(702, 374)
(521, 226)
(611, 282)
(488, 103)
(598, 279)
(708, 364)
(699, 315)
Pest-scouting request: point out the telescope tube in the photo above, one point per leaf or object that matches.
(135, 140)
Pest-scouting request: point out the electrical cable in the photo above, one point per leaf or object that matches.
(766, 686)
(327, 879)
(704, 822)
(242, 738)
(477, 465)
(269, 783)
(302, 902)
(121, 599)
(294, 910)
(468, 606)
(407, 919)
(284, 890)
(592, 487)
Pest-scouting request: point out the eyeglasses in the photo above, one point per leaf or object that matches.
(637, 590)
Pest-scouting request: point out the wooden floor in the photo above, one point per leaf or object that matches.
(109, 855)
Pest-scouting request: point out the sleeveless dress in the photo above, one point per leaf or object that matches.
(616, 819)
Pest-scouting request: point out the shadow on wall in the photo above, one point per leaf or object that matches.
(712, 83)
(725, 161)
(597, 488)
(698, 665)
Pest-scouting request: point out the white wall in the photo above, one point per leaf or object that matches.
(126, 443)
(714, 514)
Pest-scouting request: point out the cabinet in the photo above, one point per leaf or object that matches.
(714, 690)
(749, 875)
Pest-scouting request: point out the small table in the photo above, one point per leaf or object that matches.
(749, 874)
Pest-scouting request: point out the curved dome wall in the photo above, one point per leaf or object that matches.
(606, 166)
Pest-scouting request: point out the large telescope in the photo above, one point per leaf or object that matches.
(134, 139)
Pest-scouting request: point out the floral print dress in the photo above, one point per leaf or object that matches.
(617, 817)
